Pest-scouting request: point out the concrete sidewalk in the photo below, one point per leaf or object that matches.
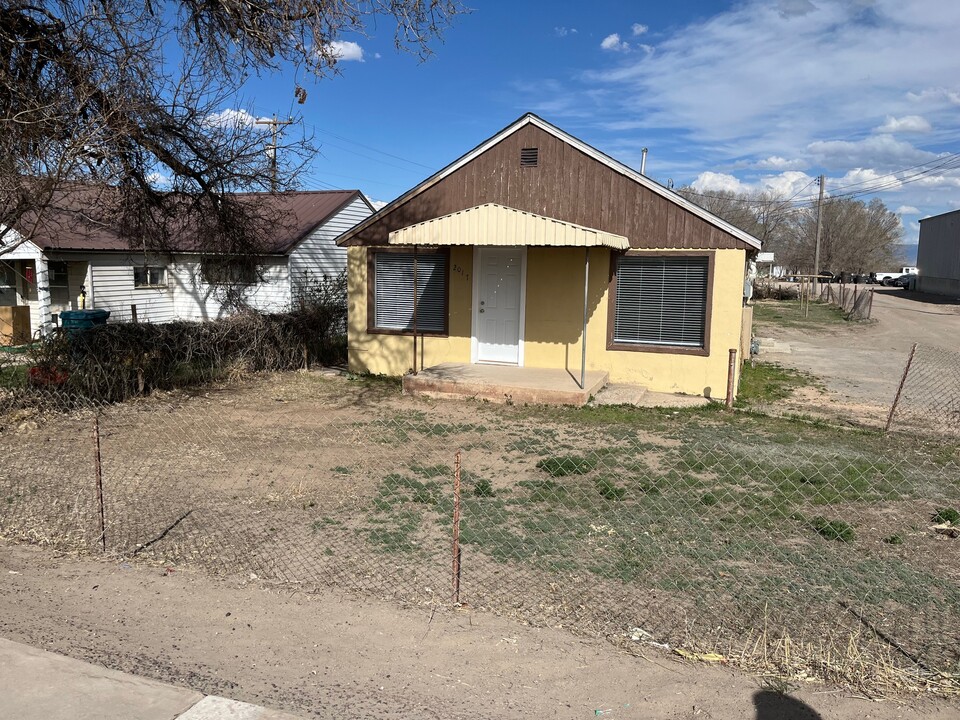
(40, 685)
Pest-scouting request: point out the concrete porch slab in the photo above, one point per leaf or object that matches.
(504, 384)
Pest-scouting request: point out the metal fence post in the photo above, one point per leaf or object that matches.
(896, 400)
(98, 472)
(456, 530)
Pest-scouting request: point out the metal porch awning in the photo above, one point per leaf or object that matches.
(496, 225)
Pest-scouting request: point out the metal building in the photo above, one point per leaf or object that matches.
(938, 256)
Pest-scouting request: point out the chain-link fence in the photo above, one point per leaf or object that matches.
(779, 545)
(854, 299)
(928, 398)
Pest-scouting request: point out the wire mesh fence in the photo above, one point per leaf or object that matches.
(854, 299)
(928, 399)
(778, 545)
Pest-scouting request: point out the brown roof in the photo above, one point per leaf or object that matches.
(74, 227)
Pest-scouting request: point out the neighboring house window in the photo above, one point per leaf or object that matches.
(57, 274)
(661, 301)
(222, 271)
(8, 276)
(149, 277)
(393, 291)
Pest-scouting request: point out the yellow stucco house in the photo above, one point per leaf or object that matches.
(535, 250)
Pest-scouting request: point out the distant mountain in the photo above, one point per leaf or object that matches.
(909, 253)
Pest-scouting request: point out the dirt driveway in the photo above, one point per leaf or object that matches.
(860, 364)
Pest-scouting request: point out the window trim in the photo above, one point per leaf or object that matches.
(149, 285)
(372, 328)
(650, 348)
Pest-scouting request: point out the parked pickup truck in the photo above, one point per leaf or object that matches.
(885, 278)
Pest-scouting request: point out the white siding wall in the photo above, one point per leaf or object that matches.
(318, 255)
(193, 299)
(112, 279)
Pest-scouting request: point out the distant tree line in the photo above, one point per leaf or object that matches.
(856, 236)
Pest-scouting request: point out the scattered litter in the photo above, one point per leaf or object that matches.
(704, 657)
(602, 712)
(13, 572)
(948, 529)
(640, 635)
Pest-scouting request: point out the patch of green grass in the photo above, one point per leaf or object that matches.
(609, 490)
(483, 488)
(768, 382)
(833, 529)
(318, 525)
(946, 515)
(343, 470)
(561, 465)
(431, 471)
(895, 539)
(397, 535)
(544, 490)
(13, 376)
(709, 499)
(789, 313)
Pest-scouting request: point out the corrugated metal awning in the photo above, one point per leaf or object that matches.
(492, 224)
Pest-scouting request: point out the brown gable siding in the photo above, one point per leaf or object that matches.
(567, 185)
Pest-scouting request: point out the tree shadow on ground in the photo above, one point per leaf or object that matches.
(772, 705)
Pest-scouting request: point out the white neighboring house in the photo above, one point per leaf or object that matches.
(48, 274)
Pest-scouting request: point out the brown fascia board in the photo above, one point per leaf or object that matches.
(347, 239)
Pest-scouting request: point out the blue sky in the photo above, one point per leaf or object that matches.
(726, 95)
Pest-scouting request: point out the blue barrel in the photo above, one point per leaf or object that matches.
(73, 320)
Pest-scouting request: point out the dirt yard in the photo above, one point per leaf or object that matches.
(334, 655)
(785, 547)
(861, 364)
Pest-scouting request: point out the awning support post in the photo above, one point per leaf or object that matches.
(583, 339)
(414, 309)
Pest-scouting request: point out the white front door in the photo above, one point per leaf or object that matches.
(499, 307)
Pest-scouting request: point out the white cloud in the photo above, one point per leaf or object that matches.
(863, 178)
(907, 123)
(233, 118)
(564, 31)
(707, 182)
(789, 8)
(907, 210)
(377, 204)
(347, 50)
(775, 162)
(638, 29)
(159, 180)
(377, 56)
(789, 184)
(613, 43)
(882, 151)
(935, 96)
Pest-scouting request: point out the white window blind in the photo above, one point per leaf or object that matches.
(393, 285)
(661, 301)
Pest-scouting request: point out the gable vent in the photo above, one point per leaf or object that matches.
(529, 157)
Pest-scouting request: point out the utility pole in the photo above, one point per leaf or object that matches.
(274, 131)
(816, 253)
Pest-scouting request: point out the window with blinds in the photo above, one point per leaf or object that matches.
(661, 301)
(393, 289)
